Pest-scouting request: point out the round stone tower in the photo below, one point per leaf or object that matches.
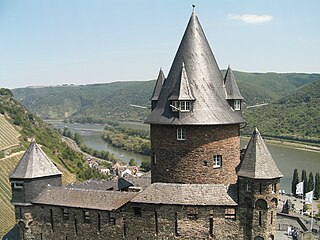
(196, 117)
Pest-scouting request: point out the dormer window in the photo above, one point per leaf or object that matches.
(183, 106)
(175, 106)
(237, 105)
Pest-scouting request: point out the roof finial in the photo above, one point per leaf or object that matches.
(193, 6)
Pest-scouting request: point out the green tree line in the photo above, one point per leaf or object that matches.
(310, 183)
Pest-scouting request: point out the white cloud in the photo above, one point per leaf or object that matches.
(251, 18)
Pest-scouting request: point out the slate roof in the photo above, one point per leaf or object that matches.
(186, 194)
(34, 164)
(205, 80)
(257, 161)
(93, 184)
(232, 90)
(143, 181)
(157, 88)
(83, 198)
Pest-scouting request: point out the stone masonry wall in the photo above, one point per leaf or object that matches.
(133, 221)
(191, 160)
(250, 210)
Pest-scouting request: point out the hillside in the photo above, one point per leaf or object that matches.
(98, 102)
(111, 101)
(295, 116)
(17, 126)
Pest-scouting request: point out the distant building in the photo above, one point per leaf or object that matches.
(200, 187)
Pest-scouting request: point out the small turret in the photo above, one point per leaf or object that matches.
(157, 89)
(233, 95)
(258, 187)
(34, 172)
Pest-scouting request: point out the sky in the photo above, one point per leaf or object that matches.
(46, 42)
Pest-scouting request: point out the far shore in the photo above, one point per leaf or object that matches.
(295, 144)
(292, 144)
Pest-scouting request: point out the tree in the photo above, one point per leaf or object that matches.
(310, 184)
(295, 181)
(304, 179)
(146, 165)
(132, 162)
(317, 186)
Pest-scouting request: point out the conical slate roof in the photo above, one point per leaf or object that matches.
(34, 164)
(157, 88)
(232, 90)
(210, 106)
(257, 161)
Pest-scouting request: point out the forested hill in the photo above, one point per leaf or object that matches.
(295, 116)
(98, 102)
(112, 100)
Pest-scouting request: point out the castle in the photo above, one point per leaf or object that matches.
(201, 186)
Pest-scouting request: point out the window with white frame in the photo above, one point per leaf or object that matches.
(181, 134)
(175, 106)
(237, 105)
(17, 185)
(274, 187)
(185, 106)
(217, 161)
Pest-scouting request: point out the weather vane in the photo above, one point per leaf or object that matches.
(193, 6)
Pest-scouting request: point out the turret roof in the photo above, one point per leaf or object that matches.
(34, 164)
(182, 89)
(157, 88)
(205, 80)
(232, 90)
(257, 161)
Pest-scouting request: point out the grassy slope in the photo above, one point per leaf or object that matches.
(7, 219)
(13, 140)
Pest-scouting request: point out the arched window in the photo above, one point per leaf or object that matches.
(271, 237)
(258, 238)
(261, 204)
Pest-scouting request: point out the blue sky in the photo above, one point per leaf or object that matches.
(46, 42)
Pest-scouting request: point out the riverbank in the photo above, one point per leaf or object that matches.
(291, 144)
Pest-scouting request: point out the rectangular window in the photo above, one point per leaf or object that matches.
(17, 185)
(175, 106)
(185, 106)
(181, 134)
(237, 105)
(248, 187)
(65, 214)
(86, 216)
(111, 219)
(230, 213)
(217, 161)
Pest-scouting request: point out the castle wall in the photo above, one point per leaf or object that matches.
(191, 160)
(133, 221)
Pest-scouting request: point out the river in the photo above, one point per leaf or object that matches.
(286, 157)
